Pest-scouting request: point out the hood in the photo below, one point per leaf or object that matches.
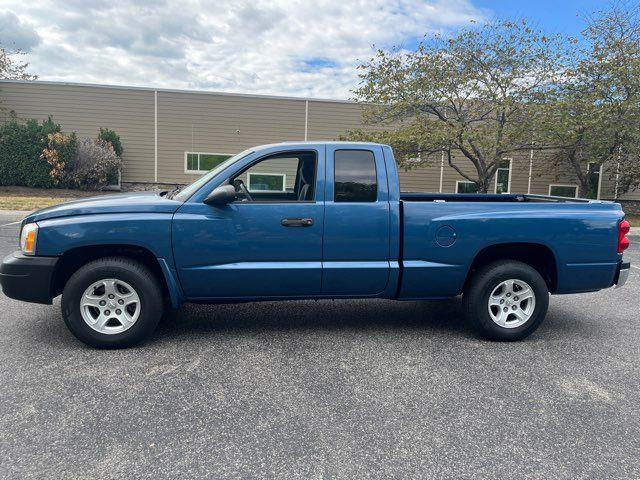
(134, 202)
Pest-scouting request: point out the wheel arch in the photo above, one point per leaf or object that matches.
(536, 255)
(71, 260)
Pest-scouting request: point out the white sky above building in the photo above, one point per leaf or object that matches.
(302, 47)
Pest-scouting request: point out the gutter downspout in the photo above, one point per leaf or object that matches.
(155, 136)
(530, 169)
(441, 171)
(306, 119)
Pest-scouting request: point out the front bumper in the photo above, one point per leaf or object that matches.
(28, 278)
(622, 274)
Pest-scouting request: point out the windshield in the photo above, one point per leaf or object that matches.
(184, 194)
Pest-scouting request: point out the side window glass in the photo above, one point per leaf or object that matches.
(355, 176)
(289, 176)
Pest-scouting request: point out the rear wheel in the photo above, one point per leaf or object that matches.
(506, 300)
(112, 303)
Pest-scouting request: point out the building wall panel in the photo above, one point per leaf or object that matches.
(85, 109)
(220, 124)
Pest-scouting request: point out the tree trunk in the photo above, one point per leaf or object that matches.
(583, 189)
(483, 186)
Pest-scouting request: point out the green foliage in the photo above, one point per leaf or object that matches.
(113, 138)
(21, 145)
(36, 154)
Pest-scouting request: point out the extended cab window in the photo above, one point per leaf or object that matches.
(355, 176)
(287, 176)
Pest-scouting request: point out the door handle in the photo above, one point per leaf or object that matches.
(297, 222)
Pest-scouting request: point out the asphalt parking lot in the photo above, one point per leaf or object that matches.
(345, 389)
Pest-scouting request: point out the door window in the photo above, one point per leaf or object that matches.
(288, 177)
(355, 176)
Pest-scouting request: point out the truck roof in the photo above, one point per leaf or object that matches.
(316, 142)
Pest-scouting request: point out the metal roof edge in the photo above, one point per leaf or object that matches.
(175, 90)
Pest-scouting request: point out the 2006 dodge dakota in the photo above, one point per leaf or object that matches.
(311, 220)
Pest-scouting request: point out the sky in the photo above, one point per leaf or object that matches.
(305, 48)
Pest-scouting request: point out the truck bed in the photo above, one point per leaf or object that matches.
(442, 234)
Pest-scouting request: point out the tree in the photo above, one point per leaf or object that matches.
(10, 68)
(472, 97)
(594, 115)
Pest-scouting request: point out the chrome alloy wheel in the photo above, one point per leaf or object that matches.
(512, 303)
(110, 306)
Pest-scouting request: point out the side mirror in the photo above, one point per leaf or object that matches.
(221, 195)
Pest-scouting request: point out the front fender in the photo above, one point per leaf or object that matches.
(151, 231)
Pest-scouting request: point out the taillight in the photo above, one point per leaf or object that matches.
(623, 241)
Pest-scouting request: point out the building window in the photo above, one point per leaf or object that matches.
(465, 186)
(199, 162)
(570, 191)
(503, 177)
(593, 180)
(266, 182)
(355, 176)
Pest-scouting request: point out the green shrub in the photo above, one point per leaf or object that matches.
(36, 154)
(21, 146)
(113, 138)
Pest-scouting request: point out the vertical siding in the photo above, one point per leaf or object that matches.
(85, 109)
(220, 124)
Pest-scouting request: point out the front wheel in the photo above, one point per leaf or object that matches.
(112, 302)
(506, 300)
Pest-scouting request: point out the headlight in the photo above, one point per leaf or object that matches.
(28, 237)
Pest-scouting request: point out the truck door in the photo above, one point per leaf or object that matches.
(268, 243)
(355, 251)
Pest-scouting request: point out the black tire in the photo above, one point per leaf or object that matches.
(137, 276)
(476, 299)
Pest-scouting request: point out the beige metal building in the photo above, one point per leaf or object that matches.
(172, 136)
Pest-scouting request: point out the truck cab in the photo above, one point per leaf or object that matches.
(307, 220)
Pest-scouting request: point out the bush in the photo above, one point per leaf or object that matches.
(59, 153)
(36, 154)
(113, 138)
(94, 165)
(21, 146)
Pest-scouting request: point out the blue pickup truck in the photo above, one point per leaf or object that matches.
(311, 220)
